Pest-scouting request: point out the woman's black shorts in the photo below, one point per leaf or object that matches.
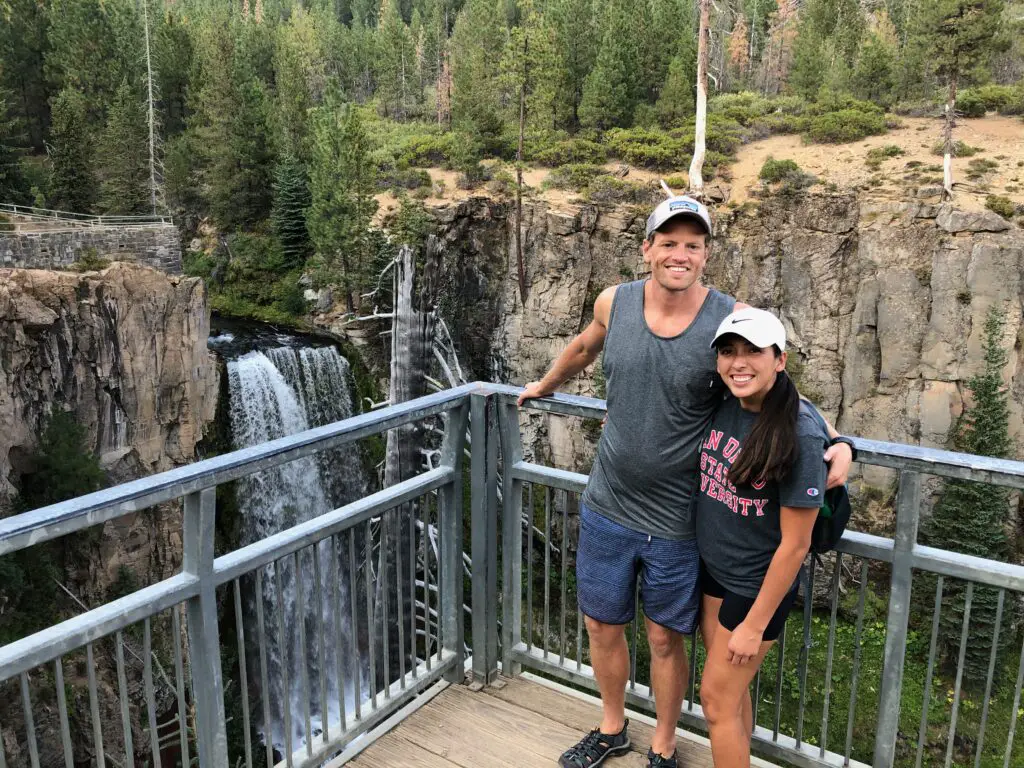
(735, 607)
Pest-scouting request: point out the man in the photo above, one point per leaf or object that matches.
(635, 517)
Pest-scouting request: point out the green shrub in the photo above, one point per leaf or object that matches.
(1004, 206)
(5, 224)
(980, 167)
(970, 104)
(676, 183)
(877, 155)
(832, 101)
(844, 126)
(1005, 99)
(409, 178)
(960, 149)
(609, 189)
(774, 171)
(473, 175)
(502, 184)
(649, 148)
(198, 264)
(787, 174)
(89, 260)
(744, 107)
(575, 176)
(570, 151)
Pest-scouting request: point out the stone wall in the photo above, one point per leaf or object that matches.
(157, 246)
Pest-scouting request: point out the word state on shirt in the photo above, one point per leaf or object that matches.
(714, 480)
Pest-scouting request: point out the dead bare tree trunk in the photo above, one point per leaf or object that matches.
(947, 140)
(700, 127)
(520, 266)
(412, 344)
(153, 186)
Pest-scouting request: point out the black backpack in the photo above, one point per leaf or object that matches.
(834, 513)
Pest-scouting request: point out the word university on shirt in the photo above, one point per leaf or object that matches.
(714, 481)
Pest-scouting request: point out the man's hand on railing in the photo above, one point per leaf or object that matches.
(532, 390)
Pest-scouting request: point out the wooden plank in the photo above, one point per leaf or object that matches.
(581, 716)
(395, 752)
(473, 729)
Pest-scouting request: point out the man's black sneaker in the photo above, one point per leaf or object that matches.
(593, 748)
(654, 760)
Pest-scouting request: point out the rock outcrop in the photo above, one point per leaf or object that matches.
(123, 349)
(884, 301)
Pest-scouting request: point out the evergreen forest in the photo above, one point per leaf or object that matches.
(268, 126)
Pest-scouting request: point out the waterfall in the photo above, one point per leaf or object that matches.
(273, 393)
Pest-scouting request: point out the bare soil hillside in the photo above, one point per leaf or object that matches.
(997, 168)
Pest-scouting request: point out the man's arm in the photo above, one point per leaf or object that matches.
(581, 352)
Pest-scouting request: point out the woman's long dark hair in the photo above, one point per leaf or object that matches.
(771, 448)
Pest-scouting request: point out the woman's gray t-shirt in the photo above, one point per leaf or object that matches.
(662, 392)
(738, 527)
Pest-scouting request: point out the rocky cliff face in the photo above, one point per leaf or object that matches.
(885, 301)
(124, 349)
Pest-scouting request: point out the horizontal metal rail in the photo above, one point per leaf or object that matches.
(56, 520)
(432, 639)
(31, 212)
(60, 639)
(247, 559)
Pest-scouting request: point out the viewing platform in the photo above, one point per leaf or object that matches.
(450, 598)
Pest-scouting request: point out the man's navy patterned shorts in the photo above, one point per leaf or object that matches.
(609, 559)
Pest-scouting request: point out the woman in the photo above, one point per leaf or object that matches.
(762, 479)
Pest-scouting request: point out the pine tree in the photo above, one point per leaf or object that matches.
(778, 53)
(828, 37)
(299, 79)
(23, 48)
(972, 517)
(575, 33)
(959, 38)
(124, 188)
(478, 37)
(739, 49)
(677, 97)
(613, 89)
(72, 177)
(93, 47)
(341, 187)
(291, 205)
(395, 61)
(231, 130)
(13, 187)
(874, 77)
(528, 73)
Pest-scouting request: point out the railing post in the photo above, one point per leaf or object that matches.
(484, 483)
(908, 513)
(511, 537)
(453, 636)
(203, 639)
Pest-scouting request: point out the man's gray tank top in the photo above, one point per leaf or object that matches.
(662, 393)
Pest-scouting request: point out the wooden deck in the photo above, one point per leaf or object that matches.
(523, 724)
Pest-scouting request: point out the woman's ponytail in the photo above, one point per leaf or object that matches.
(771, 448)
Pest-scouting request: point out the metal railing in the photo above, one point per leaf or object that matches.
(523, 609)
(77, 221)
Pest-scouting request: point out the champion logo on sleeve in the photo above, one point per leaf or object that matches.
(812, 491)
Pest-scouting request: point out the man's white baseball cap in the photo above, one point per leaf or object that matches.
(677, 206)
(760, 328)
